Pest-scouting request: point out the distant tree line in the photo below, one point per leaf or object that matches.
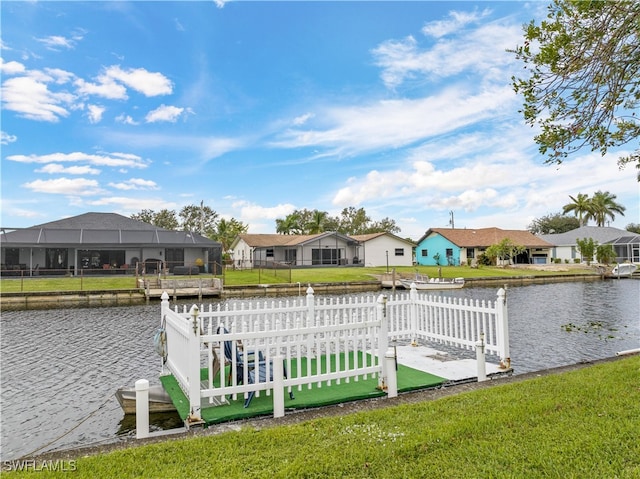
(196, 218)
(351, 221)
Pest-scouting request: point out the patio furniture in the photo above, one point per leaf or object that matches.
(254, 367)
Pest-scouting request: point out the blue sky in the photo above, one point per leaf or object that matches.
(259, 108)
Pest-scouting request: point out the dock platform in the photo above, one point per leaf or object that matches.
(419, 367)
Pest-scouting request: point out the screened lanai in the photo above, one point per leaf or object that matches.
(627, 248)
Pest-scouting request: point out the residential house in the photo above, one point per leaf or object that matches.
(455, 246)
(386, 249)
(565, 245)
(103, 243)
(273, 250)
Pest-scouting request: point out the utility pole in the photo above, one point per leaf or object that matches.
(202, 217)
(451, 219)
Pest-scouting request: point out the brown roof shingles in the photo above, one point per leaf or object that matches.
(482, 237)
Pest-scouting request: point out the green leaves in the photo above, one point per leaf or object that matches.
(581, 78)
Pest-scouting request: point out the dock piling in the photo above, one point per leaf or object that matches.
(142, 408)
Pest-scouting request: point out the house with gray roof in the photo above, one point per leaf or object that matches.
(275, 250)
(103, 243)
(625, 243)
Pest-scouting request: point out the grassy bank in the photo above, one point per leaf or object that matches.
(577, 424)
(267, 276)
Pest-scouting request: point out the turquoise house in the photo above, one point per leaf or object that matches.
(455, 247)
(437, 250)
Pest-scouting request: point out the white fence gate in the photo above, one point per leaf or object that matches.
(348, 335)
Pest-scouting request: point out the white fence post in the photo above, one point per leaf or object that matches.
(383, 339)
(502, 320)
(392, 374)
(311, 313)
(413, 314)
(481, 359)
(142, 408)
(164, 306)
(278, 386)
(193, 366)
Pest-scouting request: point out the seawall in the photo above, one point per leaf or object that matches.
(82, 299)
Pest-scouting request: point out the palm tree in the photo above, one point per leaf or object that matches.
(581, 207)
(289, 225)
(316, 225)
(603, 206)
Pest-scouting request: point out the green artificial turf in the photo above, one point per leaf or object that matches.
(315, 395)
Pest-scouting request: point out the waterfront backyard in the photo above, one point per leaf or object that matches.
(304, 276)
(72, 402)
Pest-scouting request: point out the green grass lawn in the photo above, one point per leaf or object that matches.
(579, 424)
(267, 276)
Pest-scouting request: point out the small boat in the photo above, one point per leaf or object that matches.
(624, 270)
(159, 400)
(425, 283)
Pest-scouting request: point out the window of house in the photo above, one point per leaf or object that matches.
(399, 251)
(471, 253)
(425, 252)
(449, 252)
(269, 252)
(290, 255)
(12, 256)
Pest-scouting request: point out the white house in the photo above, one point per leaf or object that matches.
(272, 250)
(625, 243)
(385, 249)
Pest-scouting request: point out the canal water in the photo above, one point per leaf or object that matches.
(61, 368)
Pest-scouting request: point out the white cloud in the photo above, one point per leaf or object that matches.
(135, 184)
(141, 80)
(164, 113)
(105, 87)
(457, 20)
(6, 138)
(126, 120)
(57, 75)
(479, 51)
(302, 119)
(57, 42)
(33, 100)
(250, 212)
(55, 168)
(95, 113)
(112, 159)
(133, 205)
(397, 123)
(64, 186)
(11, 68)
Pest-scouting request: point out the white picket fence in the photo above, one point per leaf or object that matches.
(322, 341)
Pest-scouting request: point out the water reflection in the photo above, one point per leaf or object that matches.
(60, 368)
